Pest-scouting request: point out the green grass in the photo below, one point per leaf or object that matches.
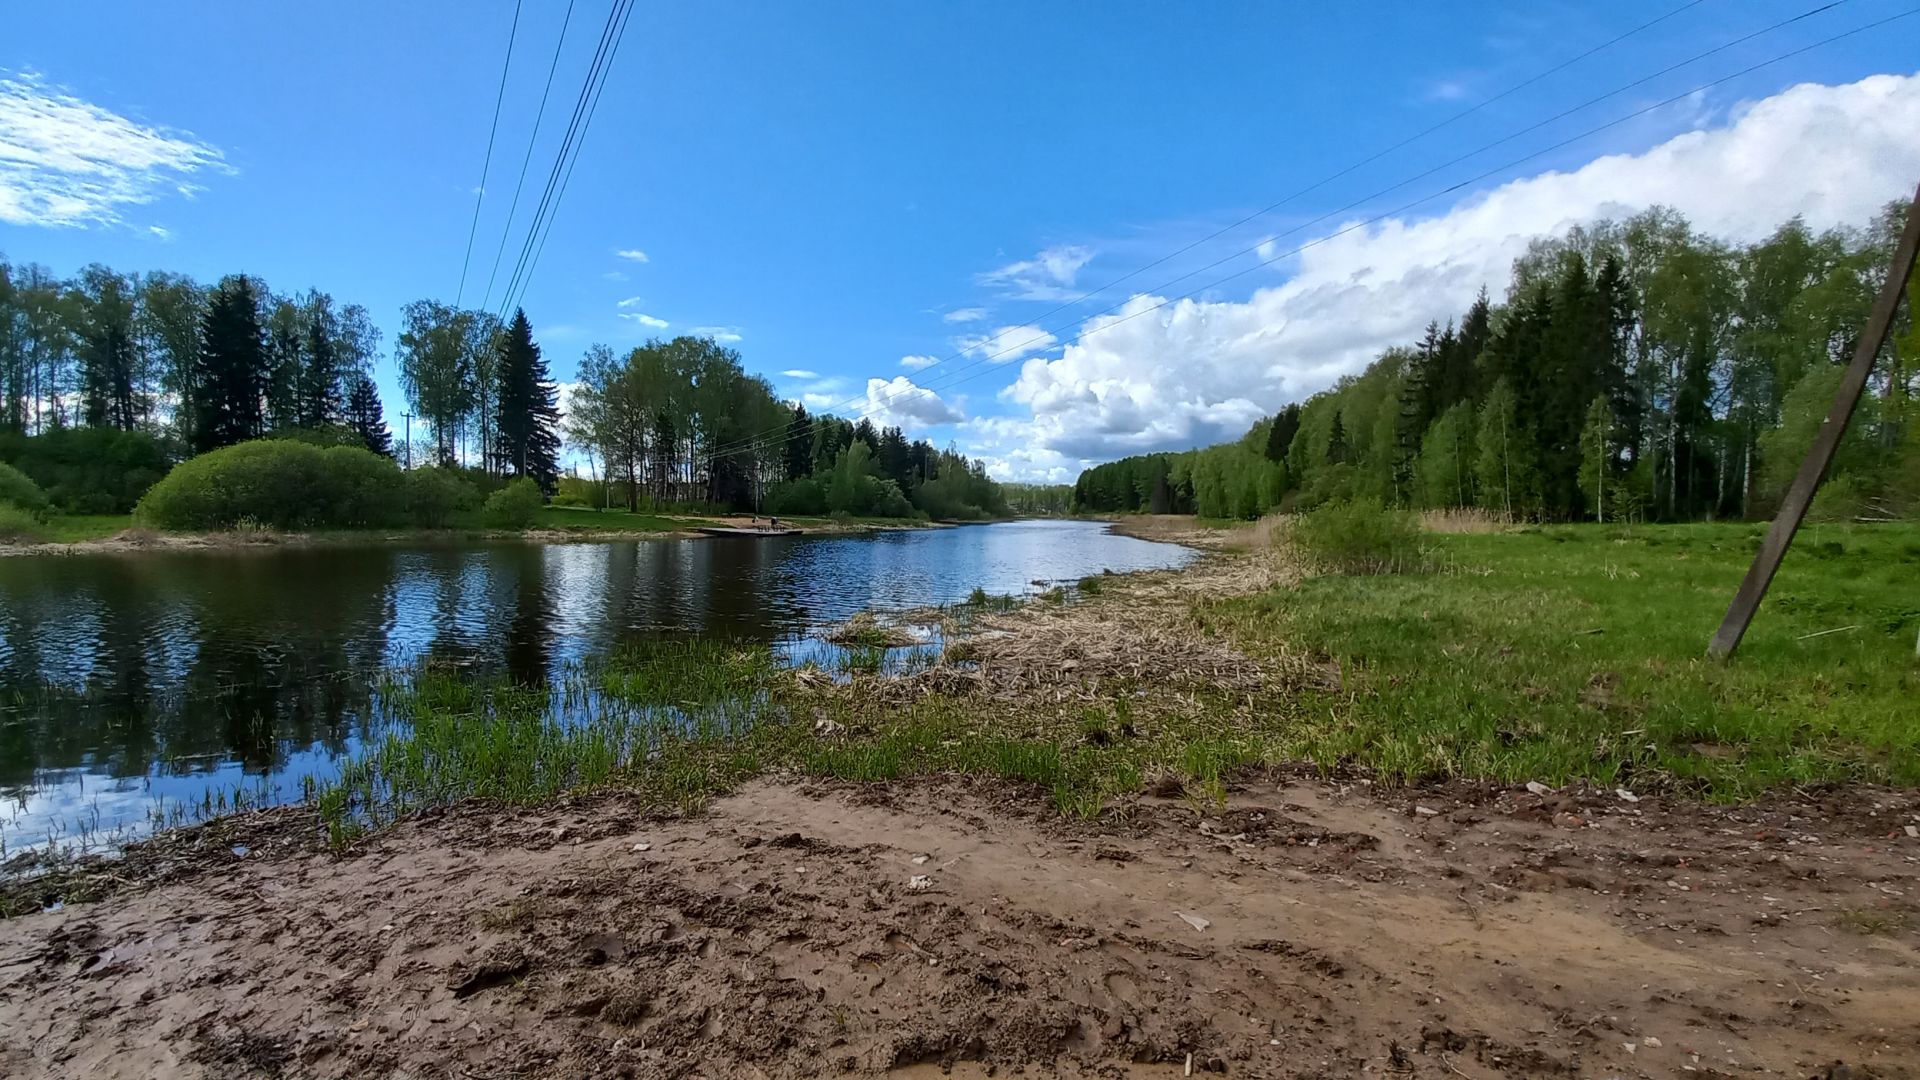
(1578, 652)
(77, 528)
(575, 518)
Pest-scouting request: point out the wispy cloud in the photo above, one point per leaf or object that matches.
(613, 275)
(725, 335)
(1446, 90)
(965, 314)
(1007, 344)
(632, 255)
(915, 363)
(799, 373)
(645, 320)
(631, 301)
(67, 162)
(1049, 275)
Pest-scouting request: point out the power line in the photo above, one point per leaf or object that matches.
(487, 162)
(576, 131)
(1323, 181)
(592, 108)
(1046, 336)
(1268, 261)
(527, 158)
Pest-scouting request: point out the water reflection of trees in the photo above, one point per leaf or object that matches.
(192, 659)
(177, 661)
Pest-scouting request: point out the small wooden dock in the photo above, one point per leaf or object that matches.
(737, 530)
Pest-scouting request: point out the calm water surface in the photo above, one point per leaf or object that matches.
(138, 684)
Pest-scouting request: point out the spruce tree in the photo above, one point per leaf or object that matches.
(526, 441)
(319, 398)
(232, 370)
(1286, 424)
(1338, 448)
(799, 447)
(365, 416)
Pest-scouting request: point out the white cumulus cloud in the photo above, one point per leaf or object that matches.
(632, 255)
(899, 402)
(915, 363)
(725, 335)
(1193, 372)
(644, 319)
(965, 314)
(67, 162)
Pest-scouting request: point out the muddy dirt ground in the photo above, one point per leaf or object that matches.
(1310, 928)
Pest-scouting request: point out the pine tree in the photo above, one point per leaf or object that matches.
(231, 374)
(365, 416)
(526, 441)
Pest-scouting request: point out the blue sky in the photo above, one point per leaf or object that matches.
(845, 187)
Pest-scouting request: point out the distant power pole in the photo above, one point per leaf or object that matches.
(409, 440)
(1800, 494)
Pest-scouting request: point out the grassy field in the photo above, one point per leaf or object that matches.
(79, 528)
(1578, 652)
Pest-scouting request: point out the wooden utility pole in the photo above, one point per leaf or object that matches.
(1800, 493)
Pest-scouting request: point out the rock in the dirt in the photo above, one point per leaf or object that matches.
(1426, 811)
(919, 883)
(1538, 788)
(1194, 921)
(643, 847)
(1913, 830)
(1625, 795)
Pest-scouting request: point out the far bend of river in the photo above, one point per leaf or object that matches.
(135, 682)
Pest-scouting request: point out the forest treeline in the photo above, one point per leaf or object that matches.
(108, 380)
(682, 421)
(1636, 370)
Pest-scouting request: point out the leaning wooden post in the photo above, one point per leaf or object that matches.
(1800, 494)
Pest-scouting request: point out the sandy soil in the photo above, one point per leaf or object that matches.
(1310, 928)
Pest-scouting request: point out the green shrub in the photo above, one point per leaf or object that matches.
(90, 470)
(1359, 537)
(276, 484)
(797, 498)
(435, 494)
(17, 524)
(516, 505)
(21, 493)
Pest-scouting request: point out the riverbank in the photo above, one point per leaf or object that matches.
(1302, 926)
(119, 534)
(1426, 824)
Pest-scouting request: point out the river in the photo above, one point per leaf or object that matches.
(136, 687)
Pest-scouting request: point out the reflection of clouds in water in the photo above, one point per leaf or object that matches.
(84, 807)
(207, 660)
